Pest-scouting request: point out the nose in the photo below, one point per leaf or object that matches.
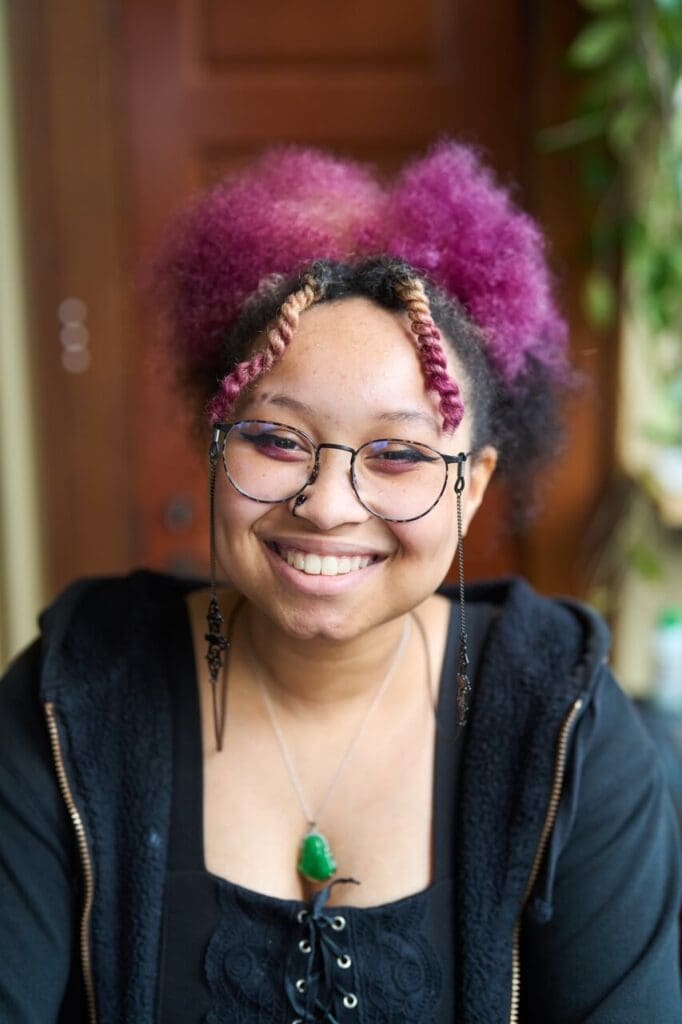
(330, 499)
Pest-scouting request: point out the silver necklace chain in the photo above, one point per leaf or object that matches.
(293, 774)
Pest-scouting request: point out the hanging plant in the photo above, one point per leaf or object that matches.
(628, 129)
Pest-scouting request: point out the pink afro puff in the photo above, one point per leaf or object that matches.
(449, 219)
(290, 207)
(444, 215)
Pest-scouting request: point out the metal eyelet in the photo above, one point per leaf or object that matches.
(304, 946)
(300, 985)
(350, 1001)
(344, 961)
(301, 916)
(338, 923)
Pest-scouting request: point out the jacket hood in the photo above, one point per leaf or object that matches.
(64, 615)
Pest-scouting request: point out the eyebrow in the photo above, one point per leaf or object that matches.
(389, 416)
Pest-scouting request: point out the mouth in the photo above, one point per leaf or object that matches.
(311, 563)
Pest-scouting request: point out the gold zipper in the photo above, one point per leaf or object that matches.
(88, 874)
(552, 807)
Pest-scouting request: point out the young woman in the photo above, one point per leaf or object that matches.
(321, 786)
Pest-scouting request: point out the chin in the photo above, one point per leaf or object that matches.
(315, 619)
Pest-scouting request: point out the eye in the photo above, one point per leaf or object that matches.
(271, 441)
(397, 456)
(403, 455)
(263, 441)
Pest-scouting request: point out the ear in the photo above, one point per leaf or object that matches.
(477, 480)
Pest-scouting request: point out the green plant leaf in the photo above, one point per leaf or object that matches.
(600, 40)
(597, 6)
(645, 561)
(634, 234)
(675, 257)
(678, 181)
(663, 426)
(572, 133)
(628, 121)
(607, 235)
(625, 127)
(599, 297)
(619, 81)
(597, 172)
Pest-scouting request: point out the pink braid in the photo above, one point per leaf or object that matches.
(430, 350)
(279, 336)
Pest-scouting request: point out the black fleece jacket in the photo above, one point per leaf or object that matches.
(568, 864)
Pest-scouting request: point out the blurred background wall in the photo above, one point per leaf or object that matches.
(21, 563)
(114, 112)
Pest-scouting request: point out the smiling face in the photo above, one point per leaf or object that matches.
(350, 375)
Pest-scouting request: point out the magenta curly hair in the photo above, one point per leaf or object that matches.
(448, 218)
(289, 208)
(444, 217)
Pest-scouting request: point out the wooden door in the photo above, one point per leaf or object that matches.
(137, 104)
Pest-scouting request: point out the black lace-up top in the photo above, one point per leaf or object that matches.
(231, 955)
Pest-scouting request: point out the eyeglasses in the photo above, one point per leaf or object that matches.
(394, 479)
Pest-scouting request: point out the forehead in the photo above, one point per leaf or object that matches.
(356, 329)
(355, 338)
(351, 359)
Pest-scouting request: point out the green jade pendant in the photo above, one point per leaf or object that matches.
(316, 861)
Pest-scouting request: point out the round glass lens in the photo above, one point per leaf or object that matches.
(399, 480)
(267, 461)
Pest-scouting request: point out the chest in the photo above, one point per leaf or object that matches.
(377, 818)
(375, 807)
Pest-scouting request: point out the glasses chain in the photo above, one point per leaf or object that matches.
(463, 681)
(217, 641)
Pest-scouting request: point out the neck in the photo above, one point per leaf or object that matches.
(316, 674)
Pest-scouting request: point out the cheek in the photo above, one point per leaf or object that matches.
(235, 516)
(233, 511)
(433, 538)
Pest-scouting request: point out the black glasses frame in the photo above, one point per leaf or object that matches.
(221, 429)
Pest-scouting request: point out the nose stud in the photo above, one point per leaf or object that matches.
(297, 504)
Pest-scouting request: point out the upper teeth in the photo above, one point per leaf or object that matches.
(325, 565)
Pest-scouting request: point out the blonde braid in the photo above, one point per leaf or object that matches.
(279, 336)
(429, 347)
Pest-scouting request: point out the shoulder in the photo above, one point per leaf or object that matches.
(614, 773)
(24, 748)
(613, 859)
(538, 638)
(515, 597)
(111, 599)
(29, 791)
(83, 622)
(96, 626)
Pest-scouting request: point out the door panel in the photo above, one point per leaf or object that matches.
(137, 104)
